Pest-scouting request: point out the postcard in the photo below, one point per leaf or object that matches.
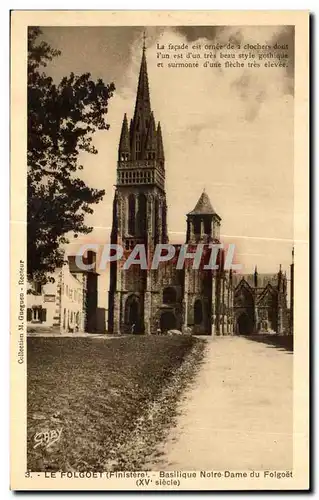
(159, 250)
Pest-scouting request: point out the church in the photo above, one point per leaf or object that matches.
(198, 301)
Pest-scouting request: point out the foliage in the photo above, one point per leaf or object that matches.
(62, 118)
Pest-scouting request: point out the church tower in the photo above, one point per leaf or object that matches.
(139, 211)
(203, 288)
(203, 223)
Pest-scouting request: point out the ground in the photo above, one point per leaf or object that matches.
(99, 403)
(181, 403)
(238, 412)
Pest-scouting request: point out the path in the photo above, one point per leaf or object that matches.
(238, 412)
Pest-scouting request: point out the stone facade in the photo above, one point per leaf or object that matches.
(190, 300)
(260, 303)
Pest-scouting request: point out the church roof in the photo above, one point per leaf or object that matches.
(203, 206)
(143, 103)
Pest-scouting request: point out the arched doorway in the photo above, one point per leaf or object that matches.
(244, 324)
(133, 315)
(244, 307)
(198, 312)
(168, 321)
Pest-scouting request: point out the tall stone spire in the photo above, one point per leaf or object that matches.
(140, 154)
(143, 103)
(139, 215)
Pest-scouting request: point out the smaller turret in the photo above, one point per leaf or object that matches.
(160, 148)
(151, 141)
(256, 278)
(124, 146)
(203, 223)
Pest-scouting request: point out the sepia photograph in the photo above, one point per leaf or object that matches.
(157, 298)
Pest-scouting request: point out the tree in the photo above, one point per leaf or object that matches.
(62, 119)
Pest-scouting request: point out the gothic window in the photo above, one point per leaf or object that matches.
(115, 202)
(142, 214)
(156, 221)
(131, 214)
(198, 312)
(163, 221)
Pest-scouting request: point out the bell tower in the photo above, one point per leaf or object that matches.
(203, 223)
(139, 209)
(204, 288)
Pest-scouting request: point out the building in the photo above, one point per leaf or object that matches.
(67, 302)
(196, 300)
(260, 303)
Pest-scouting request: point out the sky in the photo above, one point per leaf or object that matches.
(228, 131)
